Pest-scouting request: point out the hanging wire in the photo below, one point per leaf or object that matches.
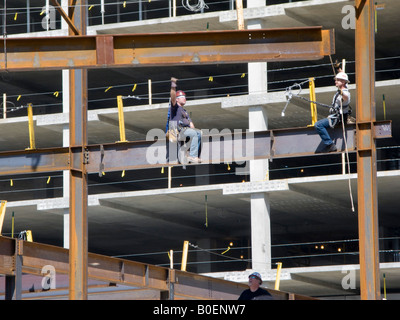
(7, 108)
(347, 156)
(284, 245)
(229, 89)
(216, 254)
(289, 96)
(91, 185)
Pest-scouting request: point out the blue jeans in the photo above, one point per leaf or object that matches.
(195, 140)
(322, 127)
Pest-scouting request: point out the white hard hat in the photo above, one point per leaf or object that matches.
(256, 275)
(342, 76)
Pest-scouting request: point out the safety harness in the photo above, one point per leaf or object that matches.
(334, 109)
(337, 110)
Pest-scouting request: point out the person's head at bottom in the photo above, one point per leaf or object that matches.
(254, 281)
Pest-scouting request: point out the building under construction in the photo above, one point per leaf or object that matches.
(91, 206)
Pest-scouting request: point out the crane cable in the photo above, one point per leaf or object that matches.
(347, 155)
(289, 96)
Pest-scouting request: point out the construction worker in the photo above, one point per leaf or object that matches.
(180, 118)
(340, 106)
(255, 292)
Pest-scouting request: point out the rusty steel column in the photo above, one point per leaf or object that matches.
(366, 151)
(78, 243)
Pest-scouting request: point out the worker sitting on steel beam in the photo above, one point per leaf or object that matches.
(180, 119)
(340, 107)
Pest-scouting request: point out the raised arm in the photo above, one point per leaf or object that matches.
(173, 90)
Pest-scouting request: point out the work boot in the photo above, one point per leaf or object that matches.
(193, 159)
(332, 148)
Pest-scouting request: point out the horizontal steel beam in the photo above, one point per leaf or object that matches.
(166, 49)
(31, 161)
(36, 256)
(216, 148)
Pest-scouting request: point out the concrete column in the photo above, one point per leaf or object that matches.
(257, 70)
(259, 202)
(260, 232)
(66, 229)
(258, 121)
(257, 81)
(65, 90)
(65, 84)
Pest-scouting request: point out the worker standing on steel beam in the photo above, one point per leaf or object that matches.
(340, 106)
(181, 120)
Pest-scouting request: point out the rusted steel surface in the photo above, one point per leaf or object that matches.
(217, 148)
(39, 160)
(162, 49)
(38, 255)
(81, 52)
(78, 176)
(105, 50)
(366, 151)
(7, 252)
(185, 285)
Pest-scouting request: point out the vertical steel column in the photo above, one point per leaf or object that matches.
(13, 290)
(366, 151)
(78, 247)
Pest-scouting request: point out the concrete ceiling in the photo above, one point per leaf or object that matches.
(129, 222)
(296, 14)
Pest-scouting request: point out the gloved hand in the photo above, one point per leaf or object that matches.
(333, 110)
(184, 122)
